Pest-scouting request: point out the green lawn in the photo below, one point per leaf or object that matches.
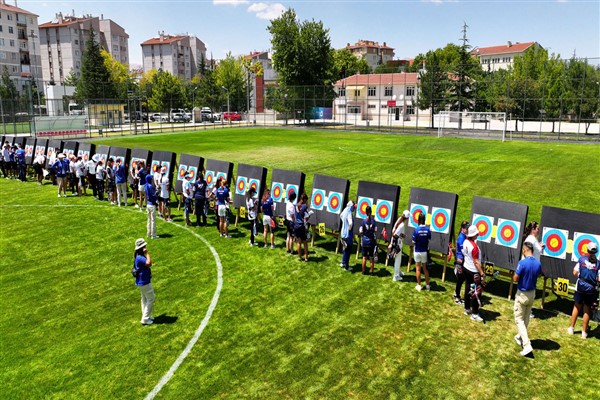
(69, 324)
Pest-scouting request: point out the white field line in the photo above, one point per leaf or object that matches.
(213, 304)
(416, 158)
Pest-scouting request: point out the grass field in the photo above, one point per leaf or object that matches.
(281, 329)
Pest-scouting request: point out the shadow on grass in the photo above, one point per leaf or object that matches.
(543, 314)
(545, 344)
(165, 319)
(165, 236)
(489, 315)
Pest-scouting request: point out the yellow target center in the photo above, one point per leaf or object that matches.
(554, 243)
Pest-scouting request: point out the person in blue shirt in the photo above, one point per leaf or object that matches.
(420, 239)
(20, 156)
(151, 201)
(368, 231)
(459, 259)
(222, 195)
(200, 187)
(267, 207)
(121, 182)
(526, 274)
(586, 294)
(61, 168)
(143, 279)
(347, 235)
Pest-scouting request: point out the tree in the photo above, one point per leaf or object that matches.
(207, 92)
(119, 75)
(433, 85)
(8, 90)
(167, 92)
(347, 64)
(230, 76)
(582, 95)
(94, 83)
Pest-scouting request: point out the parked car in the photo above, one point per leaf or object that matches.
(231, 116)
(206, 115)
(180, 117)
(157, 117)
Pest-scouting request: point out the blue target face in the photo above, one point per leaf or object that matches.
(221, 175)
(291, 189)
(581, 242)
(211, 178)
(361, 206)
(317, 200)
(255, 183)
(440, 220)
(241, 185)
(485, 225)
(556, 242)
(277, 191)
(508, 233)
(383, 211)
(334, 202)
(415, 210)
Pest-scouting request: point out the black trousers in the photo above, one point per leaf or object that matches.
(470, 303)
(200, 211)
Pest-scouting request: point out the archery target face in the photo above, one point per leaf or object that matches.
(181, 171)
(383, 211)
(508, 233)
(361, 206)
(580, 243)
(50, 152)
(165, 164)
(254, 183)
(210, 178)
(39, 150)
(277, 191)
(28, 150)
(318, 199)
(415, 210)
(291, 189)
(68, 152)
(193, 171)
(221, 175)
(485, 225)
(155, 166)
(334, 202)
(84, 154)
(103, 158)
(134, 163)
(555, 241)
(240, 185)
(440, 220)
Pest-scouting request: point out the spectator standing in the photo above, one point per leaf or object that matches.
(252, 207)
(200, 187)
(142, 173)
(80, 176)
(72, 176)
(395, 247)
(143, 280)
(121, 182)
(5, 160)
(150, 194)
(459, 260)
(588, 279)
(289, 223)
(165, 195)
(420, 239)
(38, 166)
(532, 231)
(100, 175)
(61, 168)
(110, 181)
(20, 156)
(473, 271)
(91, 173)
(526, 274)
(267, 206)
(188, 193)
(301, 215)
(347, 234)
(222, 195)
(368, 231)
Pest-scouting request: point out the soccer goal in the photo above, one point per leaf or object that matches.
(471, 122)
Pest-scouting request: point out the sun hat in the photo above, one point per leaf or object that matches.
(60, 155)
(96, 157)
(592, 248)
(140, 243)
(473, 231)
(406, 214)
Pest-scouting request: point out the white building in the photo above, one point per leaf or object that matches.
(374, 53)
(19, 45)
(501, 57)
(181, 55)
(63, 44)
(377, 97)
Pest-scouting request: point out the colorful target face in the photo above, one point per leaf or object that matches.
(415, 210)
(221, 175)
(165, 164)
(155, 166)
(485, 225)
(440, 220)
(317, 200)
(555, 241)
(85, 155)
(291, 189)
(181, 171)
(508, 233)
(28, 150)
(361, 206)
(240, 185)
(193, 171)
(50, 152)
(103, 158)
(580, 244)
(334, 202)
(134, 163)
(254, 183)
(68, 152)
(39, 150)
(383, 211)
(277, 191)
(120, 158)
(210, 178)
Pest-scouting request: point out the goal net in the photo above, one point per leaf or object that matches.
(471, 123)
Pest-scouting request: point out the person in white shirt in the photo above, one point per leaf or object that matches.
(164, 195)
(532, 231)
(395, 247)
(100, 180)
(473, 272)
(187, 197)
(80, 176)
(252, 207)
(290, 213)
(38, 166)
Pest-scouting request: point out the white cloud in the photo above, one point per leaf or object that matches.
(267, 11)
(234, 3)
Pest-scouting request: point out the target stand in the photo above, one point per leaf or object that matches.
(434, 256)
(560, 287)
(322, 231)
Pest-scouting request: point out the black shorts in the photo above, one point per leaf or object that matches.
(368, 251)
(290, 227)
(586, 298)
(300, 233)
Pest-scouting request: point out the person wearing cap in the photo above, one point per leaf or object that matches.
(200, 187)
(526, 274)
(289, 222)
(61, 168)
(121, 182)
(143, 279)
(586, 294)
(347, 234)
(459, 260)
(368, 232)
(473, 271)
(188, 193)
(421, 237)
(395, 247)
(151, 200)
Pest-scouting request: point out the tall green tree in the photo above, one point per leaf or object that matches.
(167, 92)
(121, 79)
(95, 82)
(347, 64)
(582, 97)
(230, 76)
(433, 85)
(8, 90)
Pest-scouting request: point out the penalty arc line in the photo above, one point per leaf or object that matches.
(213, 304)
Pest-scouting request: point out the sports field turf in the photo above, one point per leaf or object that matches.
(69, 324)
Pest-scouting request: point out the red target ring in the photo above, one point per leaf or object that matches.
(582, 246)
(554, 242)
(241, 185)
(383, 212)
(440, 220)
(277, 191)
(318, 199)
(181, 172)
(507, 233)
(483, 228)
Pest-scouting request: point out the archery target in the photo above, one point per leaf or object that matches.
(134, 163)
(240, 185)
(181, 171)
(277, 191)
(192, 171)
(318, 199)
(383, 211)
(555, 241)
(155, 166)
(254, 183)
(291, 189)
(440, 220)
(415, 210)
(221, 175)
(28, 150)
(210, 178)
(103, 158)
(39, 150)
(484, 224)
(334, 202)
(84, 154)
(580, 243)
(361, 206)
(50, 152)
(508, 233)
(122, 158)
(166, 164)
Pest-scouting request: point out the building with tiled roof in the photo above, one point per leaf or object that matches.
(63, 41)
(494, 58)
(20, 45)
(181, 55)
(374, 53)
(268, 78)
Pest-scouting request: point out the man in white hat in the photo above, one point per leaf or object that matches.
(142, 263)
(61, 168)
(395, 247)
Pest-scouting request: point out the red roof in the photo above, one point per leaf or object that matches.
(503, 49)
(369, 43)
(66, 22)
(409, 78)
(165, 40)
(8, 7)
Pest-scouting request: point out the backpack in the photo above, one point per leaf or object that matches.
(134, 272)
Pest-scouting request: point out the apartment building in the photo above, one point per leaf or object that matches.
(374, 53)
(19, 45)
(63, 41)
(494, 58)
(181, 55)
(260, 83)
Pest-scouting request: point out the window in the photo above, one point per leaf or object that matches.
(2, 55)
(340, 106)
(76, 41)
(9, 17)
(12, 43)
(0, 28)
(372, 106)
(410, 110)
(353, 110)
(115, 47)
(1, 41)
(77, 52)
(342, 92)
(11, 30)
(410, 90)
(356, 93)
(371, 91)
(389, 91)
(383, 106)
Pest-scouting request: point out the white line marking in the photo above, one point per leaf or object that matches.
(418, 159)
(213, 304)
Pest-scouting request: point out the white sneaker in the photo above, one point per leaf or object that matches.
(527, 351)
(136, 206)
(418, 287)
(59, 195)
(149, 322)
(519, 340)
(570, 330)
(427, 287)
(584, 334)
(476, 318)
(397, 278)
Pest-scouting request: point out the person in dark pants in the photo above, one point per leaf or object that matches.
(100, 175)
(458, 262)
(200, 187)
(368, 231)
(20, 156)
(587, 271)
(252, 207)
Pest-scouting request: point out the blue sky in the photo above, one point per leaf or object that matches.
(409, 26)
